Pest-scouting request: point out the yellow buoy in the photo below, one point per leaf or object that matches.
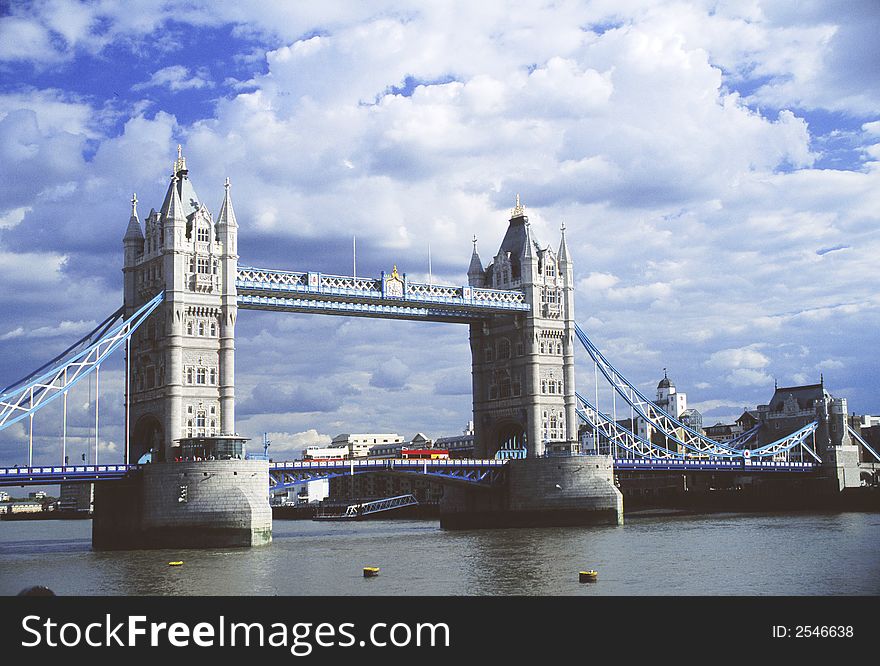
(588, 576)
(369, 572)
(174, 564)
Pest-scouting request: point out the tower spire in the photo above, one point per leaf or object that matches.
(180, 163)
(226, 216)
(518, 210)
(476, 277)
(174, 211)
(562, 255)
(133, 232)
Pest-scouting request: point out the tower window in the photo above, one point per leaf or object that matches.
(202, 235)
(201, 375)
(202, 265)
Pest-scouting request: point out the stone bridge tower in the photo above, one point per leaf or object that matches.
(523, 365)
(182, 360)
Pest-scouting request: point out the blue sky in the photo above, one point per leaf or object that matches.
(715, 164)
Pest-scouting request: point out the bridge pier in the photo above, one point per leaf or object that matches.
(204, 504)
(540, 492)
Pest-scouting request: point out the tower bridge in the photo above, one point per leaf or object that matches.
(183, 289)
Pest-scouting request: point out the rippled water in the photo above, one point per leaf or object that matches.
(720, 554)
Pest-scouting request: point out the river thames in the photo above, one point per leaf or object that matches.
(730, 554)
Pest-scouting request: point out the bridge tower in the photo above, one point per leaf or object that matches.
(524, 398)
(182, 362)
(198, 490)
(523, 365)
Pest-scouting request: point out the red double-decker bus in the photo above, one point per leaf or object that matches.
(424, 454)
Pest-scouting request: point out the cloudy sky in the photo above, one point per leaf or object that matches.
(716, 164)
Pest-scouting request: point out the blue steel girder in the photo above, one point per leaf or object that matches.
(675, 430)
(51, 474)
(38, 391)
(620, 436)
(473, 472)
(288, 291)
(679, 432)
(713, 465)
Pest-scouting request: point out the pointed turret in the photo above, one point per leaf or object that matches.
(189, 200)
(173, 212)
(476, 275)
(133, 233)
(562, 256)
(528, 260)
(226, 218)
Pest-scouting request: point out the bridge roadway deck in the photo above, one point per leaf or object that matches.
(469, 470)
(697, 464)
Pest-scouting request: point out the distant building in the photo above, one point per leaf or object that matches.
(721, 432)
(377, 486)
(459, 446)
(674, 403)
(303, 493)
(359, 444)
(790, 408)
(21, 507)
(325, 452)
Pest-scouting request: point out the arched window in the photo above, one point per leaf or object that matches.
(505, 386)
(504, 348)
(202, 234)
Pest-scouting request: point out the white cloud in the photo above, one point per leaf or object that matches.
(748, 377)
(66, 329)
(291, 444)
(746, 357)
(177, 78)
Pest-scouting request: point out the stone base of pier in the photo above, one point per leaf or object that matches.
(540, 492)
(205, 504)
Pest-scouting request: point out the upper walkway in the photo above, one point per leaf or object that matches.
(389, 297)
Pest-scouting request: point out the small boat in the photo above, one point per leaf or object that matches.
(175, 564)
(370, 572)
(588, 576)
